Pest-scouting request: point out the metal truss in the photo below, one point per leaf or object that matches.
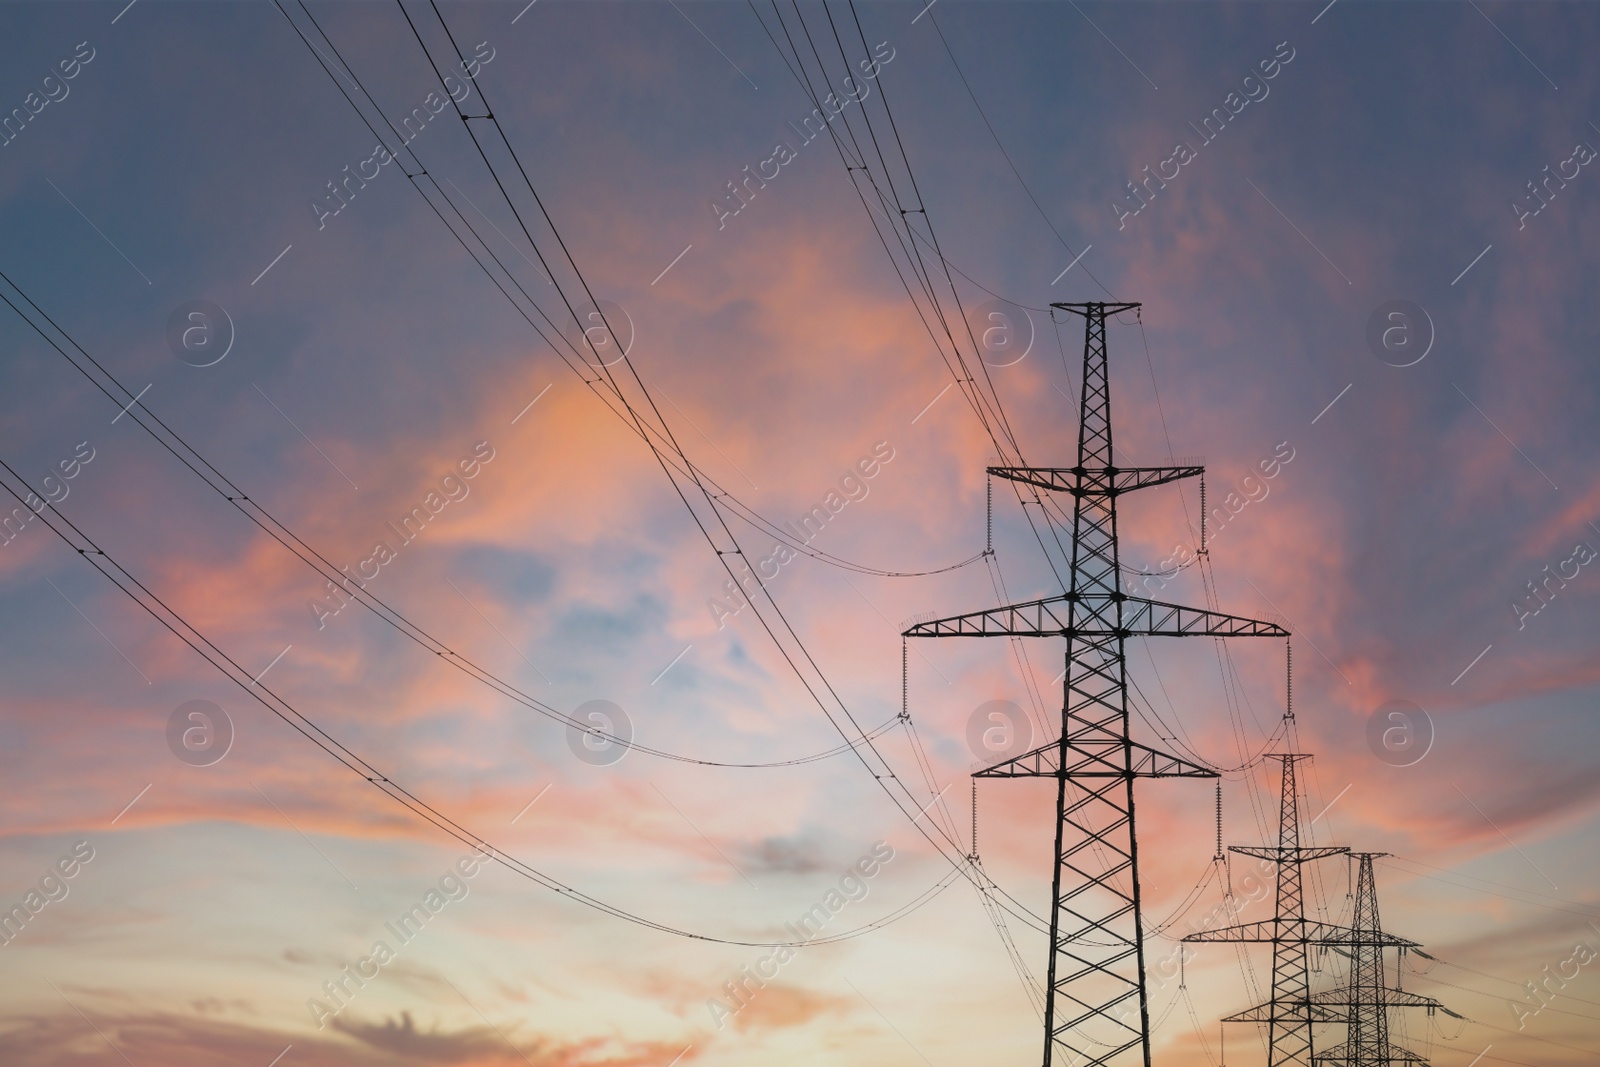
(1364, 1003)
(1290, 1013)
(1097, 1009)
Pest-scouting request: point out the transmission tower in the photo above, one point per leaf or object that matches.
(1096, 973)
(1365, 1001)
(1292, 1009)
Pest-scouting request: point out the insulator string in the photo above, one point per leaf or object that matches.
(1288, 668)
(974, 818)
(905, 685)
(1219, 820)
(988, 492)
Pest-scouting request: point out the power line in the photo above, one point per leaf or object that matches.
(650, 435)
(1009, 162)
(743, 510)
(269, 524)
(80, 542)
(821, 684)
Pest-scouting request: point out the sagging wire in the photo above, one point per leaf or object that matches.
(1030, 984)
(176, 624)
(815, 687)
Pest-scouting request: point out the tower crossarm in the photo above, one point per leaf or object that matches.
(1096, 481)
(1345, 1056)
(1364, 939)
(1359, 938)
(1262, 1013)
(1111, 758)
(1095, 615)
(1289, 855)
(1393, 998)
(1305, 932)
(1097, 1000)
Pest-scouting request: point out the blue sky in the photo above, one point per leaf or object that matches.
(371, 356)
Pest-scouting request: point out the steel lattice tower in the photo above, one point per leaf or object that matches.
(1365, 1001)
(1096, 974)
(1291, 1011)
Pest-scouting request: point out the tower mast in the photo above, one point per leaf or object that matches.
(1097, 1009)
(1290, 1013)
(1365, 1001)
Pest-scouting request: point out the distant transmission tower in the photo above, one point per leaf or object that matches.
(1365, 1001)
(1096, 975)
(1291, 1011)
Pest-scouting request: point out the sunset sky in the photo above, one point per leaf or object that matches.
(167, 158)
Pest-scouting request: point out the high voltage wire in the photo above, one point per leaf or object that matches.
(934, 18)
(858, 169)
(1048, 502)
(858, 165)
(678, 464)
(660, 421)
(1496, 996)
(671, 465)
(258, 514)
(1233, 683)
(80, 542)
(278, 531)
(1019, 964)
(919, 268)
(1139, 318)
(978, 400)
(953, 360)
(649, 433)
(744, 511)
(740, 509)
(189, 457)
(1504, 892)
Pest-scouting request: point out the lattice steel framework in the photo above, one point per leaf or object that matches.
(1096, 1004)
(1292, 1010)
(1365, 1000)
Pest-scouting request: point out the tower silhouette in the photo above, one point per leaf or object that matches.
(1291, 1011)
(1365, 1000)
(1097, 1007)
